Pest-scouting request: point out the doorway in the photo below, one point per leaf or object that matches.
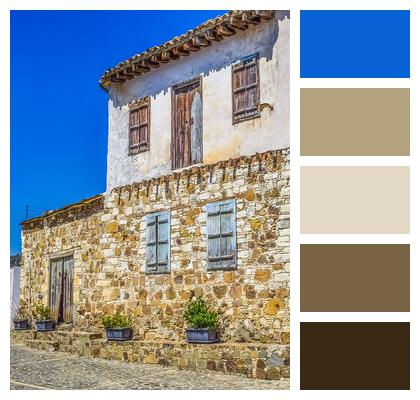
(187, 131)
(60, 297)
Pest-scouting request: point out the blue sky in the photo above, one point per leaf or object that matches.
(58, 112)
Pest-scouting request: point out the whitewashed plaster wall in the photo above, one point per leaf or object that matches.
(221, 139)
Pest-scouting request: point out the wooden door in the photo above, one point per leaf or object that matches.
(61, 289)
(187, 136)
(67, 289)
(55, 289)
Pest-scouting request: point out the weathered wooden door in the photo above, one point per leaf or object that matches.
(187, 136)
(55, 289)
(61, 289)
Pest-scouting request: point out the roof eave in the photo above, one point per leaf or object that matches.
(204, 35)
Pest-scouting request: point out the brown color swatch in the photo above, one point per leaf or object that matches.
(354, 277)
(354, 355)
(355, 122)
(355, 199)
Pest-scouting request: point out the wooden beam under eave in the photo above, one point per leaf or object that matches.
(128, 73)
(180, 51)
(200, 41)
(135, 71)
(114, 78)
(141, 67)
(152, 64)
(165, 57)
(157, 58)
(265, 14)
(249, 19)
(211, 35)
(237, 23)
(223, 30)
(190, 47)
(173, 54)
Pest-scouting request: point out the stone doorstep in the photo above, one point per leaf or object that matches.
(172, 343)
(255, 360)
(33, 334)
(46, 345)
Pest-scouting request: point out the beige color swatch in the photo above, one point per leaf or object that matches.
(355, 200)
(355, 122)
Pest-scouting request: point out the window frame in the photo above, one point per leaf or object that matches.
(167, 269)
(257, 106)
(234, 235)
(144, 102)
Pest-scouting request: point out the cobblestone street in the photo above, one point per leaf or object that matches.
(40, 370)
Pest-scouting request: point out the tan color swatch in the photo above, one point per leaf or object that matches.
(355, 200)
(355, 122)
(355, 277)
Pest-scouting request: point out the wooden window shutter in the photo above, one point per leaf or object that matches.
(139, 126)
(245, 89)
(221, 235)
(158, 242)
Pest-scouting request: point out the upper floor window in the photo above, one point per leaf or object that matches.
(139, 126)
(187, 124)
(221, 235)
(245, 89)
(158, 242)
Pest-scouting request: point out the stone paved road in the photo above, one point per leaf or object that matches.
(37, 370)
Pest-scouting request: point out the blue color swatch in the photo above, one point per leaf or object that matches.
(355, 44)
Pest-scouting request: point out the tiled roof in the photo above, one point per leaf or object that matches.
(215, 29)
(84, 206)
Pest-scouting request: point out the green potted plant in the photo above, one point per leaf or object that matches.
(203, 323)
(21, 320)
(118, 327)
(43, 319)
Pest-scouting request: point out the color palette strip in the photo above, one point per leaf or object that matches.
(355, 355)
(355, 199)
(355, 277)
(355, 122)
(355, 44)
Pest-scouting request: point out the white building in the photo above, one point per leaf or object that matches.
(217, 92)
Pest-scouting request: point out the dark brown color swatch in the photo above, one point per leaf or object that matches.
(355, 277)
(355, 122)
(355, 355)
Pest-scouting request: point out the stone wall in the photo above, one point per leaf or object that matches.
(262, 361)
(108, 244)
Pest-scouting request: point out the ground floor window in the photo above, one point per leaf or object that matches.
(221, 235)
(158, 242)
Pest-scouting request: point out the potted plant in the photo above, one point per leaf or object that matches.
(43, 319)
(118, 327)
(202, 322)
(21, 321)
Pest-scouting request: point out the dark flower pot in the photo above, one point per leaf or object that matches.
(202, 335)
(21, 324)
(45, 325)
(119, 334)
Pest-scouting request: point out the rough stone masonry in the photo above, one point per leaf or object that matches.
(107, 239)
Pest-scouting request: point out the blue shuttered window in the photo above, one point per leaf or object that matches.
(221, 235)
(158, 242)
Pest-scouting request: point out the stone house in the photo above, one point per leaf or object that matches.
(196, 204)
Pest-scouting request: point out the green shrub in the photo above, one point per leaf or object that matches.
(198, 315)
(116, 321)
(41, 312)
